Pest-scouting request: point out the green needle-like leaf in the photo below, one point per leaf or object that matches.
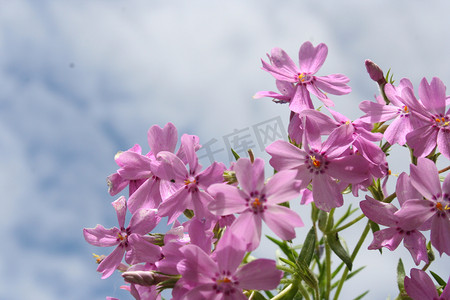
(336, 246)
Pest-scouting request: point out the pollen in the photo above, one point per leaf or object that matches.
(441, 207)
(188, 181)
(315, 162)
(301, 77)
(120, 236)
(405, 109)
(256, 203)
(224, 280)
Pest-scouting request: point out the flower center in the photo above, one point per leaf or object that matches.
(316, 162)
(304, 77)
(442, 121)
(256, 202)
(441, 207)
(225, 283)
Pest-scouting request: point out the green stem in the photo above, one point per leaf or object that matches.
(354, 253)
(328, 269)
(284, 292)
(389, 198)
(349, 223)
(303, 291)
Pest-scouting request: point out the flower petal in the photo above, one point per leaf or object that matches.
(162, 139)
(282, 221)
(101, 237)
(110, 263)
(251, 276)
(312, 58)
(228, 199)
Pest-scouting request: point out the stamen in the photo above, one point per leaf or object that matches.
(256, 203)
(405, 109)
(315, 162)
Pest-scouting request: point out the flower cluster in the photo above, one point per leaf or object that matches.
(216, 213)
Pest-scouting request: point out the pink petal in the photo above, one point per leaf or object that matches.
(334, 84)
(326, 193)
(415, 242)
(278, 73)
(146, 196)
(282, 187)
(398, 129)
(120, 205)
(281, 60)
(379, 212)
(282, 221)
(420, 286)
(422, 140)
(228, 199)
(134, 165)
(433, 95)
(248, 227)
(171, 167)
(229, 252)
(162, 139)
(440, 237)
(212, 174)
(250, 175)
(175, 205)
(301, 99)
(110, 263)
(260, 274)
(143, 221)
(196, 266)
(415, 212)
(285, 155)
(101, 237)
(404, 189)
(312, 58)
(443, 142)
(425, 178)
(376, 112)
(142, 250)
(389, 238)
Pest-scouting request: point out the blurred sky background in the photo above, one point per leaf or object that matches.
(81, 80)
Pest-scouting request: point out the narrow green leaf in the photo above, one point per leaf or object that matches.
(335, 245)
(236, 156)
(308, 247)
(323, 216)
(283, 247)
(307, 275)
(438, 279)
(401, 276)
(362, 295)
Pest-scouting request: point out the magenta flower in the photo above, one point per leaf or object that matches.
(321, 164)
(219, 276)
(421, 287)
(433, 207)
(397, 110)
(257, 202)
(126, 239)
(383, 214)
(435, 128)
(189, 185)
(302, 78)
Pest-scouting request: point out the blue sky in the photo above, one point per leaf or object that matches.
(81, 80)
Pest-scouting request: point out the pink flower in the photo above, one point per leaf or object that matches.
(302, 78)
(256, 201)
(127, 239)
(321, 164)
(384, 214)
(219, 276)
(435, 128)
(189, 184)
(433, 207)
(421, 287)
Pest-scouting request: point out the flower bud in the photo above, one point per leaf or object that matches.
(375, 73)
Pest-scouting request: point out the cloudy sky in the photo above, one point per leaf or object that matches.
(81, 80)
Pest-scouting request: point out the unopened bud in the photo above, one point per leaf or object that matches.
(375, 73)
(145, 278)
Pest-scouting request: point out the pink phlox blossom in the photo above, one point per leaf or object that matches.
(296, 128)
(398, 230)
(116, 183)
(397, 110)
(420, 287)
(302, 78)
(257, 201)
(130, 239)
(433, 207)
(435, 128)
(220, 276)
(191, 184)
(321, 164)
